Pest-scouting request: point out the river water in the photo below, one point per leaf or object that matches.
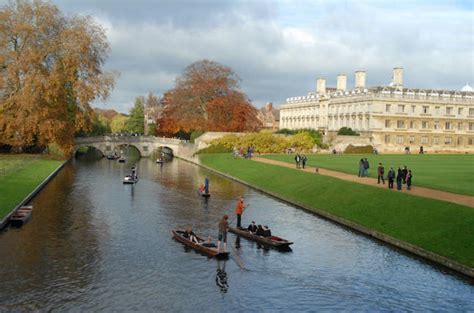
(95, 244)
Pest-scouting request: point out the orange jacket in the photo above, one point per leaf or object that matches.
(239, 209)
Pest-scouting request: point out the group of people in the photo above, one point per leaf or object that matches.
(244, 153)
(403, 176)
(259, 230)
(300, 160)
(363, 168)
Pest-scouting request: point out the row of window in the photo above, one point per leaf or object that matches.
(425, 140)
(425, 109)
(427, 125)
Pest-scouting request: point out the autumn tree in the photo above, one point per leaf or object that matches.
(118, 124)
(50, 72)
(207, 97)
(136, 120)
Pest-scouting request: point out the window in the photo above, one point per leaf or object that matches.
(471, 111)
(460, 126)
(437, 110)
(448, 140)
(449, 110)
(436, 125)
(387, 138)
(471, 126)
(387, 123)
(401, 108)
(425, 125)
(459, 141)
(413, 109)
(387, 108)
(412, 124)
(470, 141)
(426, 109)
(400, 139)
(448, 126)
(459, 111)
(412, 139)
(400, 124)
(424, 140)
(435, 140)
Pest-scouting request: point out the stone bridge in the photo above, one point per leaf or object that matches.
(144, 144)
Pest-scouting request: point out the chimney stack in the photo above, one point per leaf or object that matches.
(360, 79)
(341, 84)
(397, 78)
(321, 86)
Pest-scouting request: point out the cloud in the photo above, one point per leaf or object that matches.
(280, 48)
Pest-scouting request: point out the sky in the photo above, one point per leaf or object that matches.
(280, 48)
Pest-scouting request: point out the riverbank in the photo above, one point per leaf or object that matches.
(446, 172)
(19, 176)
(437, 230)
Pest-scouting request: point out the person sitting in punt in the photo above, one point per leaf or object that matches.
(201, 188)
(260, 231)
(266, 231)
(252, 227)
(189, 234)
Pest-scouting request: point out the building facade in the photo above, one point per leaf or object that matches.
(269, 116)
(393, 117)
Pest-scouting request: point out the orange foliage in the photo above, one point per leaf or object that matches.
(50, 71)
(206, 97)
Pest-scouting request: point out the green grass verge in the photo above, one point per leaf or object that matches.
(20, 175)
(453, 173)
(437, 226)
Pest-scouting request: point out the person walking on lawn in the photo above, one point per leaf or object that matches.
(297, 160)
(380, 172)
(303, 160)
(391, 177)
(409, 179)
(399, 179)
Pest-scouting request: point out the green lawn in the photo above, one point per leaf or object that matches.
(454, 173)
(20, 175)
(441, 227)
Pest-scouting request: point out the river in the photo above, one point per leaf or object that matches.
(95, 244)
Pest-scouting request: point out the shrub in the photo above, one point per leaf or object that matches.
(359, 149)
(214, 149)
(195, 134)
(347, 131)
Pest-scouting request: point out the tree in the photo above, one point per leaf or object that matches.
(119, 124)
(136, 120)
(50, 72)
(207, 97)
(347, 131)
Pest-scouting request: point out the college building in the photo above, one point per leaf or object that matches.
(390, 117)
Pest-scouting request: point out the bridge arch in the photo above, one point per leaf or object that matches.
(79, 147)
(119, 148)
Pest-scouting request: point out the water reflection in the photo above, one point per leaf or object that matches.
(221, 276)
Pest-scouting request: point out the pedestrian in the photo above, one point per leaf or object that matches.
(366, 167)
(399, 179)
(405, 173)
(297, 160)
(361, 168)
(391, 177)
(409, 179)
(239, 210)
(303, 160)
(380, 172)
(222, 237)
(206, 185)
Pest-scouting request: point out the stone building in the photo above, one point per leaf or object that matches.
(392, 117)
(269, 116)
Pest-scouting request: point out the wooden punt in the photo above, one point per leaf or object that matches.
(122, 160)
(210, 251)
(203, 194)
(129, 179)
(21, 216)
(273, 241)
(159, 161)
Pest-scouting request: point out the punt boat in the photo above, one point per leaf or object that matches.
(273, 241)
(203, 247)
(21, 216)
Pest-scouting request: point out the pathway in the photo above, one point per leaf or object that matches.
(415, 190)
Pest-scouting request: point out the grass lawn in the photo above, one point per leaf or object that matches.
(453, 173)
(20, 175)
(441, 227)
